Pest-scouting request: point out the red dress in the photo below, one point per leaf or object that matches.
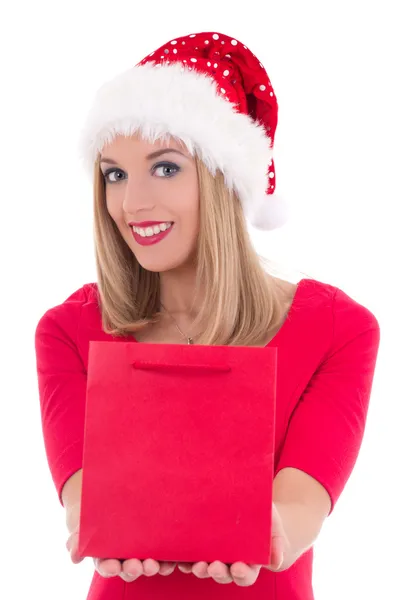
(327, 351)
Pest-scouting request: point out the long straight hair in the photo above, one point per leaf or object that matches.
(242, 301)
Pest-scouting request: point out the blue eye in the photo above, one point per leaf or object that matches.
(174, 168)
(164, 165)
(111, 172)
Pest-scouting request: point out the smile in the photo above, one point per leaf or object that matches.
(151, 235)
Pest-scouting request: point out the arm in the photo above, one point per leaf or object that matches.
(71, 499)
(71, 492)
(303, 505)
(326, 428)
(62, 381)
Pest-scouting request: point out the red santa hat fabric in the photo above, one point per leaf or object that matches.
(210, 91)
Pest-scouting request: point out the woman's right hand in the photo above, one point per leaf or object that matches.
(128, 570)
(132, 568)
(72, 520)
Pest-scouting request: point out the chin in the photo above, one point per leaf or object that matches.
(160, 266)
(157, 261)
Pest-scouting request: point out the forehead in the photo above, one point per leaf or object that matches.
(136, 144)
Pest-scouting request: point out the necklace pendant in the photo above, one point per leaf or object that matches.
(190, 340)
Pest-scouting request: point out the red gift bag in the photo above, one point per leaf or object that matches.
(178, 452)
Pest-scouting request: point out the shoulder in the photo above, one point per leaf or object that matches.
(347, 309)
(349, 323)
(343, 306)
(349, 315)
(330, 318)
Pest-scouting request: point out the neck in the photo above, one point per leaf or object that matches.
(177, 292)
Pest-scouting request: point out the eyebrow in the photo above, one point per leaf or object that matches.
(148, 157)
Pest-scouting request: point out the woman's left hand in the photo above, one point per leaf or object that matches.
(239, 572)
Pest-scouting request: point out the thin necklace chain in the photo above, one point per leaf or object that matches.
(187, 338)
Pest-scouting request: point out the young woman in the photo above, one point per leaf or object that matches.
(180, 148)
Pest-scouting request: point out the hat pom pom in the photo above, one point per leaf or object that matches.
(270, 213)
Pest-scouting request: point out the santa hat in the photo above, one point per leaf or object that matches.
(211, 92)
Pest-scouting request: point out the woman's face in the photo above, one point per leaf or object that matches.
(163, 189)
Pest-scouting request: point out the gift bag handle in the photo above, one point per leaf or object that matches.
(166, 366)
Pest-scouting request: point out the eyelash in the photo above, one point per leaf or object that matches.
(157, 166)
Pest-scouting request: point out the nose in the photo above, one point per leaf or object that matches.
(137, 197)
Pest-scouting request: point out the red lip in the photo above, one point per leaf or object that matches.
(154, 239)
(147, 223)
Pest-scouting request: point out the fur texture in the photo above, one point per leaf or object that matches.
(171, 100)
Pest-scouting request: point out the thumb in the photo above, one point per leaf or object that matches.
(72, 547)
(277, 553)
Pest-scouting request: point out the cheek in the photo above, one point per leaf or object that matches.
(114, 208)
(192, 220)
(193, 209)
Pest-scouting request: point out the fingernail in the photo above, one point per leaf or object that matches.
(182, 569)
(280, 562)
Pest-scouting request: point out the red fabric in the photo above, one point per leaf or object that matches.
(179, 446)
(239, 76)
(327, 350)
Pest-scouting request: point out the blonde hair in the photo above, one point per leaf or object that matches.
(242, 301)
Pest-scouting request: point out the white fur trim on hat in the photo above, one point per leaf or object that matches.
(271, 212)
(171, 100)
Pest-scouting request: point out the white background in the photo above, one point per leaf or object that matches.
(334, 70)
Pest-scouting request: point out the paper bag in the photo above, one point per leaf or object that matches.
(178, 452)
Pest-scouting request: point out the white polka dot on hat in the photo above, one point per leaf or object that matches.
(210, 91)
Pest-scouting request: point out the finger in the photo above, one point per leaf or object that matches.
(132, 568)
(185, 567)
(200, 569)
(275, 566)
(108, 567)
(72, 547)
(166, 568)
(220, 572)
(277, 555)
(69, 542)
(75, 557)
(150, 567)
(243, 574)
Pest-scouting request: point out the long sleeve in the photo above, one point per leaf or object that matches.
(62, 390)
(327, 425)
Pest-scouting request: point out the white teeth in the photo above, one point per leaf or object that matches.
(149, 231)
